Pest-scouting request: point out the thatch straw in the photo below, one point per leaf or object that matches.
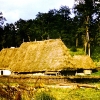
(42, 55)
(48, 55)
(84, 62)
(6, 56)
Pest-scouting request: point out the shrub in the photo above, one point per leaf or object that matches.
(73, 48)
(44, 96)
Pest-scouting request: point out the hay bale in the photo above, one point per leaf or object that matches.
(6, 56)
(84, 62)
(49, 55)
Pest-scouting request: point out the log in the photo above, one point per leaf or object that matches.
(87, 86)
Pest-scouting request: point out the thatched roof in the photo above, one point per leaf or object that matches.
(47, 55)
(41, 55)
(84, 61)
(6, 56)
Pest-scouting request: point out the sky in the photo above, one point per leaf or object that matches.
(13, 10)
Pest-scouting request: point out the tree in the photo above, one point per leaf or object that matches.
(9, 36)
(85, 10)
(2, 19)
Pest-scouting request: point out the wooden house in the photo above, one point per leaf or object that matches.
(42, 57)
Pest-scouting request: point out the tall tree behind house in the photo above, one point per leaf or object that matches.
(85, 10)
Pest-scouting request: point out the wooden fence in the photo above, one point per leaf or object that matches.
(48, 79)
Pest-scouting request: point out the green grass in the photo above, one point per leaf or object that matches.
(58, 94)
(44, 96)
(79, 51)
(96, 73)
(96, 55)
(26, 91)
(74, 94)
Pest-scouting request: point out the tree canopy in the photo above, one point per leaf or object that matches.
(82, 28)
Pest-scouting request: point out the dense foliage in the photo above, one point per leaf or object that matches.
(80, 30)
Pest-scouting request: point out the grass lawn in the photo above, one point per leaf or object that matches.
(28, 91)
(70, 94)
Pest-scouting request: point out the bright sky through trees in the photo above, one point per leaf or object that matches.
(13, 10)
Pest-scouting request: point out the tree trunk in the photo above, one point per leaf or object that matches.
(89, 49)
(87, 37)
(85, 47)
(29, 38)
(76, 42)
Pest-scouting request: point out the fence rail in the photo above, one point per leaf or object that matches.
(48, 79)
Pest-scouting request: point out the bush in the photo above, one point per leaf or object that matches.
(73, 48)
(95, 54)
(44, 96)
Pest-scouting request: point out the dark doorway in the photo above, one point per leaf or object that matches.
(2, 72)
